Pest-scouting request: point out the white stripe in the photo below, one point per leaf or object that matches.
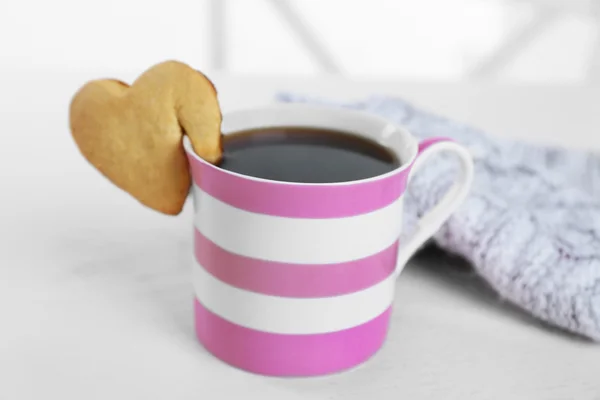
(296, 240)
(286, 315)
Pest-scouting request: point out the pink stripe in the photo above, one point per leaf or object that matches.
(297, 200)
(426, 143)
(293, 280)
(289, 355)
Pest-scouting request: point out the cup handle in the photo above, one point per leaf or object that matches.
(430, 223)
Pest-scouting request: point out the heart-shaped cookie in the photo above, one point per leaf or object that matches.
(134, 134)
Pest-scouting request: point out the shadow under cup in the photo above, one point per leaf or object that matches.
(296, 279)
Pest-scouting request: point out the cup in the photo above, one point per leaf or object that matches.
(295, 279)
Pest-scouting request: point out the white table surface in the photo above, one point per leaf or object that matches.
(95, 296)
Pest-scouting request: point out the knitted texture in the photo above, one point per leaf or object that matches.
(531, 223)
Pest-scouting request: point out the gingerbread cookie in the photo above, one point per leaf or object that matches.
(133, 134)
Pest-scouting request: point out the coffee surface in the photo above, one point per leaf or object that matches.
(305, 155)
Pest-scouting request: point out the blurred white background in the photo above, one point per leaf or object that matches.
(533, 41)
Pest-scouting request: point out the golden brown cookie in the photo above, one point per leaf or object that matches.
(133, 134)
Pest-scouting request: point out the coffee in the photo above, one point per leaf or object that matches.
(305, 155)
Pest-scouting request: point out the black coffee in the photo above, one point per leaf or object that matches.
(305, 155)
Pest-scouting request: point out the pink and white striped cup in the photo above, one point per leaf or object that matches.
(297, 279)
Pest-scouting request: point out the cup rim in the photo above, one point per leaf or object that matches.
(187, 144)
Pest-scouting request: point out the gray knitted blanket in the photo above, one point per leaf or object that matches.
(531, 224)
